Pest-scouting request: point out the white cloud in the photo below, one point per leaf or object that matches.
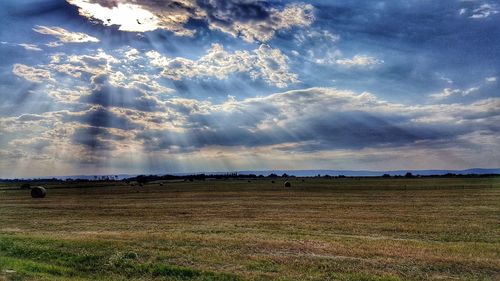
(318, 46)
(76, 65)
(324, 36)
(129, 17)
(132, 54)
(78, 76)
(32, 74)
(448, 92)
(484, 11)
(64, 35)
(360, 61)
(492, 79)
(263, 63)
(54, 44)
(446, 79)
(30, 47)
(292, 15)
(26, 46)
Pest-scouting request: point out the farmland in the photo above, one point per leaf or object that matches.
(319, 229)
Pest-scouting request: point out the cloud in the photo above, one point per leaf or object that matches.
(360, 61)
(98, 78)
(263, 63)
(322, 119)
(108, 95)
(449, 92)
(26, 46)
(318, 46)
(484, 11)
(64, 35)
(78, 65)
(32, 74)
(491, 79)
(314, 36)
(223, 18)
(54, 44)
(30, 47)
(478, 9)
(98, 116)
(251, 20)
(313, 124)
(95, 138)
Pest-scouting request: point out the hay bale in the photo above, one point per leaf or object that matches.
(38, 192)
(272, 181)
(130, 256)
(25, 186)
(288, 184)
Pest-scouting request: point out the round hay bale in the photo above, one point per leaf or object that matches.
(25, 186)
(38, 192)
(288, 184)
(130, 256)
(272, 181)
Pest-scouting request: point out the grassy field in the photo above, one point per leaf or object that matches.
(320, 229)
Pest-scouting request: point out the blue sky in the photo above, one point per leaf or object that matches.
(100, 86)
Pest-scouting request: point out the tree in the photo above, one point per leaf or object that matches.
(142, 179)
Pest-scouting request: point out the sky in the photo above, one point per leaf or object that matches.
(149, 86)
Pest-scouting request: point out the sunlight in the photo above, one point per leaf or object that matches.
(129, 17)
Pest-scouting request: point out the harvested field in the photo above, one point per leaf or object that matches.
(320, 229)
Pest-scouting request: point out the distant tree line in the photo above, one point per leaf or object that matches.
(149, 178)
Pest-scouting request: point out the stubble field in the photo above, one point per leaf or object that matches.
(319, 229)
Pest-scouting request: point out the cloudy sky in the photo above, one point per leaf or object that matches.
(150, 86)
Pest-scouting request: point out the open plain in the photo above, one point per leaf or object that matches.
(319, 229)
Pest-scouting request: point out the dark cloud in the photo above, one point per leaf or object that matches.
(325, 121)
(102, 117)
(95, 138)
(226, 12)
(107, 95)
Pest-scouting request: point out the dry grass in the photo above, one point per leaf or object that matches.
(339, 229)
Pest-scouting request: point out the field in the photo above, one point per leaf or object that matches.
(320, 229)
